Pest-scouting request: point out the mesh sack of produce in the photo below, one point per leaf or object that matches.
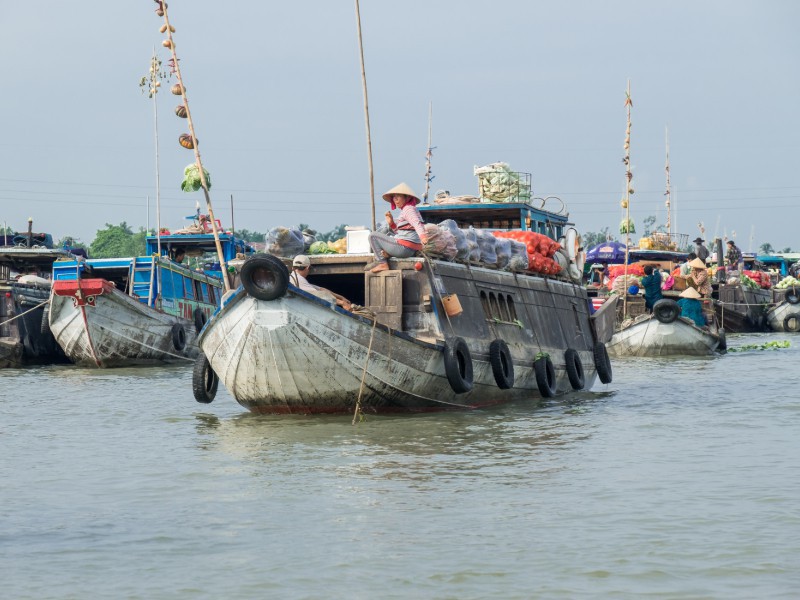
(462, 245)
(285, 242)
(519, 257)
(502, 247)
(441, 243)
(486, 243)
(471, 235)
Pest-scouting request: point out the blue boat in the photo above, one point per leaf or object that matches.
(143, 310)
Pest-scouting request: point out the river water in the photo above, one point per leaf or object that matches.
(681, 479)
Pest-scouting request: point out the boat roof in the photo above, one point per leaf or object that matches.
(20, 255)
(525, 215)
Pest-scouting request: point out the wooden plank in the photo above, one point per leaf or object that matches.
(384, 297)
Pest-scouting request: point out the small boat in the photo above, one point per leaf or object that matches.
(26, 261)
(434, 334)
(785, 314)
(143, 310)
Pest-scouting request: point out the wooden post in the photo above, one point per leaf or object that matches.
(366, 117)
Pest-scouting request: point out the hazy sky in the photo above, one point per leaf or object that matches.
(275, 92)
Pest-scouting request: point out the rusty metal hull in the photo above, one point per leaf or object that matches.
(107, 328)
(300, 354)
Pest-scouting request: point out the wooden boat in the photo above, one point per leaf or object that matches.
(512, 335)
(785, 314)
(741, 309)
(25, 268)
(143, 310)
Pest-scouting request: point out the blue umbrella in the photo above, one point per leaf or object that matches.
(607, 252)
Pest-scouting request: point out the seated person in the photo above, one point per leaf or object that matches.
(651, 282)
(691, 307)
(685, 268)
(301, 265)
(597, 276)
(409, 230)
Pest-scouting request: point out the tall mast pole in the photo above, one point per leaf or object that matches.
(428, 155)
(366, 116)
(628, 191)
(180, 90)
(668, 203)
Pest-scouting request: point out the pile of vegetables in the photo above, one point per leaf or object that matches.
(191, 178)
(759, 278)
(748, 283)
(540, 248)
(787, 282)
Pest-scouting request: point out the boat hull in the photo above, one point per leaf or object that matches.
(784, 317)
(98, 326)
(651, 337)
(302, 355)
(26, 340)
(741, 309)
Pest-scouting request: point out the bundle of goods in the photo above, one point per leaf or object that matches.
(788, 282)
(615, 271)
(285, 242)
(623, 283)
(519, 257)
(471, 235)
(503, 249)
(462, 245)
(540, 250)
(760, 278)
(498, 183)
(487, 243)
(441, 242)
(321, 248)
(340, 245)
(309, 237)
(191, 178)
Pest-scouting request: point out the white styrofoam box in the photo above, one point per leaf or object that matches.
(357, 242)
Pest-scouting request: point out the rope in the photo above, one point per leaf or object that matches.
(364, 373)
(150, 347)
(25, 313)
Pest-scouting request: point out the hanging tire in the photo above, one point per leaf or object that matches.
(545, 376)
(723, 341)
(574, 369)
(265, 277)
(502, 365)
(602, 363)
(792, 296)
(666, 310)
(199, 319)
(792, 323)
(178, 337)
(458, 365)
(44, 326)
(204, 380)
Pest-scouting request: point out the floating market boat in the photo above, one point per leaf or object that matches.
(785, 314)
(26, 261)
(435, 334)
(143, 310)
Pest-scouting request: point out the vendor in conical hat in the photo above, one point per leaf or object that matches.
(691, 307)
(698, 277)
(407, 233)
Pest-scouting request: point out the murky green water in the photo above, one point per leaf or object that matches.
(679, 480)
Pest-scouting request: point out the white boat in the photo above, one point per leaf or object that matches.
(517, 336)
(785, 316)
(664, 333)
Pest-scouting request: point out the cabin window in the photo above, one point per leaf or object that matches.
(512, 311)
(498, 307)
(494, 306)
(501, 300)
(168, 281)
(188, 288)
(485, 304)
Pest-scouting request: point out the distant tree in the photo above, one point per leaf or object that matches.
(334, 234)
(251, 236)
(591, 238)
(70, 242)
(766, 248)
(116, 241)
(786, 250)
(6, 230)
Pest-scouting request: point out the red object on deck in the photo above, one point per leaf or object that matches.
(83, 291)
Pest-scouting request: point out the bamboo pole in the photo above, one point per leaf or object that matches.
(428, 155)
(668, 193)
(170, 44)
(628, 192)
(366, 116)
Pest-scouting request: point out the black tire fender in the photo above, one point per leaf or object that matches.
(574, 369)
(199, 319)
(791, 323)
(204, 381)
(265, 277)
(666, 310)
(602, 363)
(44, 326)
(502, 364)
(545, 376)
(792, 296)
(458, 365)
(178, 337)
(723, 341)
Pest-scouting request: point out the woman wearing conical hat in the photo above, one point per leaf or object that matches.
(408, 231)
(698, 277)
(691, 307)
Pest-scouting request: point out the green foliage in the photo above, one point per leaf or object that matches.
(251, 236)
(117, 241)
(334, 234)
(786, 250)
(70, 242)
(766, 248)
(776, 345)
(592, 238)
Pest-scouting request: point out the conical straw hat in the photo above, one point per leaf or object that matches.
(690, 292)
(402, 188)
(697, 264)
